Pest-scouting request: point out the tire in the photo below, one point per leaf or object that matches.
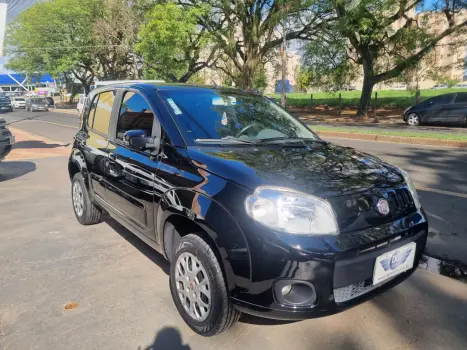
(86, 213)
(413, 119)
(221, 314)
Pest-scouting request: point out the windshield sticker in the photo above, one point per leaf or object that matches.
(174, 106)
(224, 120)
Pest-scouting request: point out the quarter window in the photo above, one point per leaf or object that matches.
(135, 114)
(103, 112)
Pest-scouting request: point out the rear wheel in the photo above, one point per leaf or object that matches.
(413, 119)
(198, 288)
(85, 211)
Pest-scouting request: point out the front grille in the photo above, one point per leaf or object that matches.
(400, 199)
(341, 295)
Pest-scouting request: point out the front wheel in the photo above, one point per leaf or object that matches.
(413, 119)
(85, 211)
(198, 288)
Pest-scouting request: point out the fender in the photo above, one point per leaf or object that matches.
(78, 162)
(217, 222)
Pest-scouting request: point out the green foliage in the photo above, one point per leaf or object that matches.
(260, 79)
(171, 42)
(57, 45)
(326, 64)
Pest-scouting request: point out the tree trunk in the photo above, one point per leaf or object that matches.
(365, 97)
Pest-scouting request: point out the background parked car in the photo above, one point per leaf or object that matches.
(440, 86)
(399, 87)
(461, 85)
(37, 104)
(442, 109)
(50, 102)
(6, 139)
(19, 102)
(5, 104)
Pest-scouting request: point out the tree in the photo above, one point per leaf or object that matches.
(81, 39)
(247, 31)
(260, 80)
(172, 45)
(386, 37)
(61, 44)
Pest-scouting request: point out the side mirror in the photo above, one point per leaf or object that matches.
(138, 140)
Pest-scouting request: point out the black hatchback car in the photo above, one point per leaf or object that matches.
(253, 210)
(448, 109)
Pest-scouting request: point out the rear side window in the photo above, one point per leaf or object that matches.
(135, 114)
(461, 98)
(103, 112)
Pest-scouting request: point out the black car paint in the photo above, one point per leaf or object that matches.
(208, 185)
(450, 112)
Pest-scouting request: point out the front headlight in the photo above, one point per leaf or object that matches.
(411, 187)
(291, 211)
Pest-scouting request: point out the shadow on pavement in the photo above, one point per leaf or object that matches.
(438, 310)
(11, 170)
(168, 338)
(250, 319)
(150, 253)
(36, 144)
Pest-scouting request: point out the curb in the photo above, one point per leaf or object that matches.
(66, 111)
(393, 139)
(449, 268)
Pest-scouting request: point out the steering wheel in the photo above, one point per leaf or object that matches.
(246, 128)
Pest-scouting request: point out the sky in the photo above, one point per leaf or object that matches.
(15, 7)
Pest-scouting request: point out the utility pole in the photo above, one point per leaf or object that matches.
(284, 65)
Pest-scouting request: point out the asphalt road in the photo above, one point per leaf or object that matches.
(121, 292)
(56, 126)
(439, 173)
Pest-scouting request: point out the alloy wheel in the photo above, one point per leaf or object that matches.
(78, 199)
(193, 286)
(413, 119)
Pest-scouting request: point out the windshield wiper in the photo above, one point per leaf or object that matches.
(227, 139)
(291, 139)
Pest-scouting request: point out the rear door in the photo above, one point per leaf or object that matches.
(130, 175)
(94, 140)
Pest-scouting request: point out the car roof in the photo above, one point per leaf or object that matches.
(170, 87)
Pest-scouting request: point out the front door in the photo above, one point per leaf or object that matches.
(130, 174)
(436, 112)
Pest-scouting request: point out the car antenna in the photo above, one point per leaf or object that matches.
(215, 85)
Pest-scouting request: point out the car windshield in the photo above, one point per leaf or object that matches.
(215, 116)
(19, 99)
(38, 100)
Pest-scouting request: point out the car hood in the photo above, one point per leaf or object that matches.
(321, 169)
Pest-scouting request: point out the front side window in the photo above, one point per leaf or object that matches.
(461, 98)
(442, 99)
(135, 114)
(103, 112)
(92, 111)
(203, 114)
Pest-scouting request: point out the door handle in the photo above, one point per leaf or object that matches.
(113, 156)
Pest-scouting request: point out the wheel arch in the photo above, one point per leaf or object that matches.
(76, 164)
(209, 219)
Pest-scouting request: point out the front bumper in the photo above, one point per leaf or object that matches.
(341, 271)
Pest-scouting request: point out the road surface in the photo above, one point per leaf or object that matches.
(439, 173)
